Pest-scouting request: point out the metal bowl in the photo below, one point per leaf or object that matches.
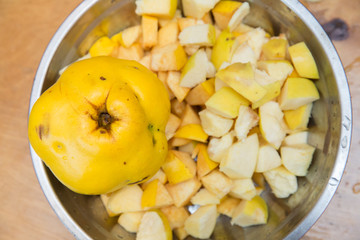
(330, 125)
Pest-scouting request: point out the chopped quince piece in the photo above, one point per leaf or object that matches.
(192, 132)
(175, 215)
(227, 206)
(275, 49)
(272, 91)
(104, 199)
(297, 158)
(194, 71)
(238, 16)
(298, 119)
(213, 124)
(172, 125)
(243, 188)
(197, 8)
(217, 183)
(247, 119)
(181, 233)
(155, 195)
(154, 226)
(204, 197)
(256, 39)
(296, 138)
(297, 92)
(130, 221)
(250, 212)
(128, 36)
(170, 57)
(278, 70)
(179, 167)
(104, 46)
(201, 93)
(201, 223)
(240, 161)
(173, 82)
(182, 192)
(241, 78)
(199, 34)
(178, 142)
(223, 12)
(189, 116)
(268, 158)
(271, 128)
(168, 34)
(222, 49)
(218, 147)
(226, 102)
(149, 27)
(204, 164)
(127, 199)
(282, 182)
(243, 54)
(156, 8)
(303, 61)
(134, 52)
(160, 175)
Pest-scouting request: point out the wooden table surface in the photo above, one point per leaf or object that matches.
(26, 27)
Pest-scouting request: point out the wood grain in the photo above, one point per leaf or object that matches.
(26, 27)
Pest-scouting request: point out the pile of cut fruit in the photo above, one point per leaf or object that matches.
(240, 99)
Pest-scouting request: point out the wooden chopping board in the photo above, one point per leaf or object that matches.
(26, 27)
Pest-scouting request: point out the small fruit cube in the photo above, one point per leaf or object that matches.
(282, 182)
(243, 189)
(213, 124)
(303, 61)
(226, 102)
(182, 192)
(204, 197)
(104, 46)
(173, 82)
(297, 92)
(127, 199)
(155, 195)
(130, 221)
(170, 57)
(192, 132)
(179, 167)
(149, 27)
(240, 161)
(204, 164)
(154, 226)
(250, 212)
(217, 183)
(175, 215)
(201, 223)
(297, 158)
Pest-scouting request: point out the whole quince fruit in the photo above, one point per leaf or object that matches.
(101, 126)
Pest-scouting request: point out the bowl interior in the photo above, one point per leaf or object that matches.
(105, 17)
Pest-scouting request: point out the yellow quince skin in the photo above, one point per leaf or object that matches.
(101, 126)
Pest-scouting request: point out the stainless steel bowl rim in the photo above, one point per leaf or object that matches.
(345, 106)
